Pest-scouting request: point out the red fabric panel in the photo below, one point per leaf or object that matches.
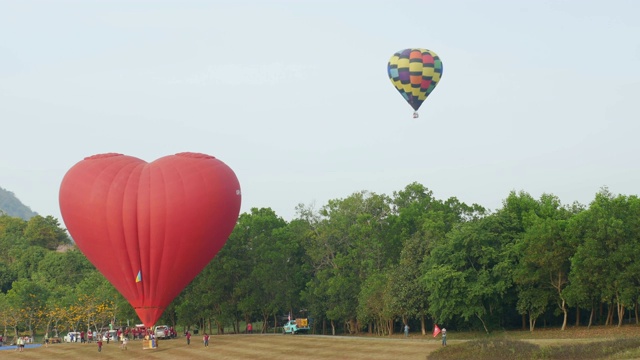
(166, 219)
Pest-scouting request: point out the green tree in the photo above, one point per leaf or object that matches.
(512, 220)
(374, 302)
(7, 277)
(421, 221)
(408, 291)
(263, 286)
(29, 298)
(64, 268)
(469, 273)
(605, 261)
(27, 260)
(543, 259)
(45, 232)
(11, 236)
(349, 244)
(255, 274)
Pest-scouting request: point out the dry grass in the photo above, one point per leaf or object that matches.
(255, 346)
(314, 347)
(581, 343)
(490, 349)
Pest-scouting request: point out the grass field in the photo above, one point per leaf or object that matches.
(244, 347)
(597, 343)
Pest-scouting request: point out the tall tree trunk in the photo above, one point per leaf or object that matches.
(524, 321)
(593, 312)
(423, 326)
(532, 322)
(601, 312)
(609, 315)
(636, 310)
(577, 315)
(483, 324)
(333, 328)
(563, 307)
(620, 308)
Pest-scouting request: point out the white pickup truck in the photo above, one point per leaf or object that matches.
(162, 332)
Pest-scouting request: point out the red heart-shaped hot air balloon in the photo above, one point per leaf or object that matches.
(150, 228)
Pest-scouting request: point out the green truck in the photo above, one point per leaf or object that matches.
(295, 326)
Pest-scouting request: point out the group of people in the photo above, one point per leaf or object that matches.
(129, 333)
(205, 338)
(21, 341)
(443, 333)
(140, 333)
(124, 341)
(123, 335)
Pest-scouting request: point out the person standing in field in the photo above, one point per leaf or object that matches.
(444, 337)
(205, 339)
(19, 344)
(188, 336)
(99, 344)
(406, 330)
(249, 328)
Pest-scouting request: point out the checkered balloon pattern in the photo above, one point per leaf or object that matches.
(415, 73)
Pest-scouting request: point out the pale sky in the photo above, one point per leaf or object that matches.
(540, 96)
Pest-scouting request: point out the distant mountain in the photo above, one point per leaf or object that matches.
(10, 205)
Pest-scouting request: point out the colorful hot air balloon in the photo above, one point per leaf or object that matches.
(415, 73)
(150, 228)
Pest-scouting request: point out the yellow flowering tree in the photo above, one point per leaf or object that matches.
(27, 299)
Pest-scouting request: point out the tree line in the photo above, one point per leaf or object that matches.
(365, 263)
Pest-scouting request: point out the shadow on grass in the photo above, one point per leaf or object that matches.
(516, 349)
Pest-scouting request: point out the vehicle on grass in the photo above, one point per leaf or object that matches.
(72, 336)
(294, 326)
(162, 332)
(112, 335)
